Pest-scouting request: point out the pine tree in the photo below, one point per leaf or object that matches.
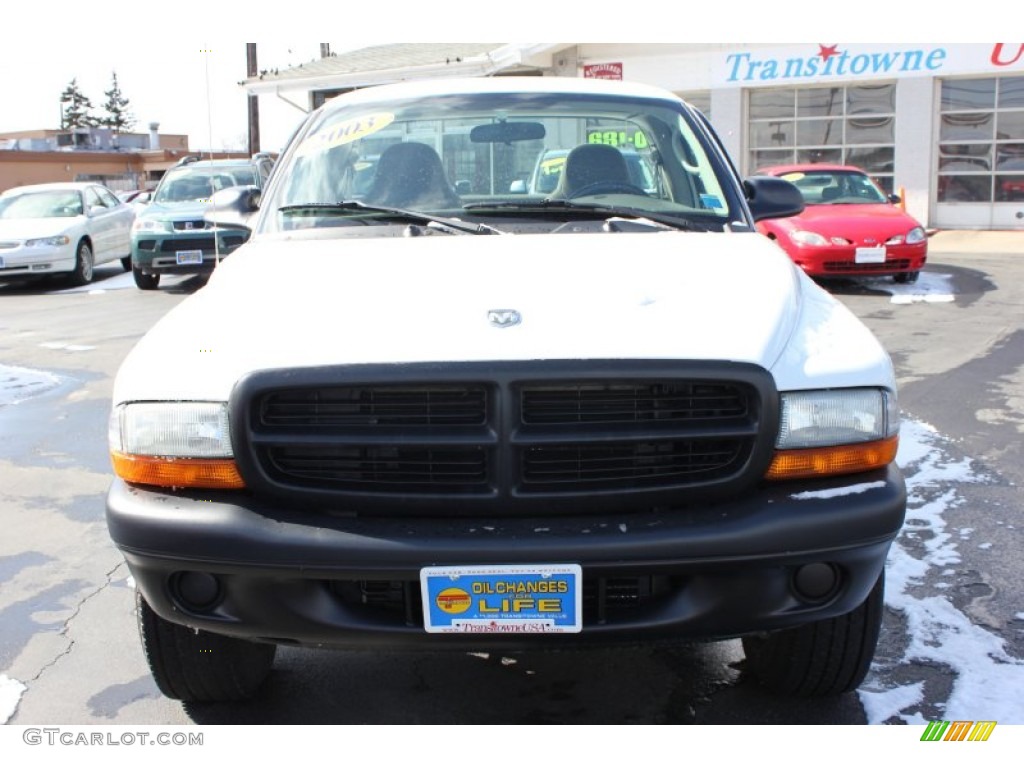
(118, 116)
(75, 108)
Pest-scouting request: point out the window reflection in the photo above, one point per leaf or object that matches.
(981, 140)
(850, 125)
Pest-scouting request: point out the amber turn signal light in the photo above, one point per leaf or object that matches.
(170, 472)
(832, 460)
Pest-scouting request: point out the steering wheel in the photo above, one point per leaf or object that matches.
(608, 188)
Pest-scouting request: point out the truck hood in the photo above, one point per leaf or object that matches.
(304, 300)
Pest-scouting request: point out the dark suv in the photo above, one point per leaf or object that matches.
(170, 235)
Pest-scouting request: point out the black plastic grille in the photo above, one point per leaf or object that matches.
(383, 467)
(505, 438)
(205, 244)
(192, 225)
(625, 465)
(850, 266)
(637, 403)
(374, 406)
(605, 599)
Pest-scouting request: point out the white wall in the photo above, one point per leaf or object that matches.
(728, 121)
(916, 140)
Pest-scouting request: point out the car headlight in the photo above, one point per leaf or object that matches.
(56, 241)
(804, 237)
(173, 445)
(835, 432)
(916, 235)
(151, 225)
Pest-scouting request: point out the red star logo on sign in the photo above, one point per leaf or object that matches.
(827, 51)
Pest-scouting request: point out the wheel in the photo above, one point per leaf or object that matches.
(906, 277)
(825, 658)
(145, 281)
(194, 665)
(608, 188)
(82, 274)
(126, 263)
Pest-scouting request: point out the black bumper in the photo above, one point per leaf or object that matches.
(722, 569)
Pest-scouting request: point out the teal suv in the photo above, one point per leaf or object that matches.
(170, 236)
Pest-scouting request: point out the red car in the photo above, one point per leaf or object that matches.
(849, 227)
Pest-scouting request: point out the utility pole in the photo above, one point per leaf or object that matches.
(254, 107)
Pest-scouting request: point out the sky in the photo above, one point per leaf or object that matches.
(187, 86)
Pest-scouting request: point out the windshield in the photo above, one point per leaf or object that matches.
(499, 157)
(835, 187)
(41, 205)
(189, 184)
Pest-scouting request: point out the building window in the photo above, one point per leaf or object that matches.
(981, 140)
(849, 125)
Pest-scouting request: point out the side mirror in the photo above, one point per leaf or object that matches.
(96, 210)
(233, 208)
(770, 197)
(144, 198)
(895, 199)
(517, 187)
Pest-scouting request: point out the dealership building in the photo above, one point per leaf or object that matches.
(940, 124)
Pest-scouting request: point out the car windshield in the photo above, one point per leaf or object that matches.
(189, 184)
(41, 205)
(501, 158)
(835, 187)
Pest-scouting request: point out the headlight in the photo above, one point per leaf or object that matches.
(173, 445)
(803, 237)
(832, 432)
(50, 241)
(916, 235)
(151, 225)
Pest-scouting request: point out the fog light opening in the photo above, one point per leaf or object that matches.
(816, 582)
(196, 592)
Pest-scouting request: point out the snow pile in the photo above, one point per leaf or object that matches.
(10, 695)
(17, 384)
(987, 680)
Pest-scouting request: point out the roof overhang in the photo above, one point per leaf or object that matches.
(505, 58)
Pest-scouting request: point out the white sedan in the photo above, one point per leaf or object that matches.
(64, 228)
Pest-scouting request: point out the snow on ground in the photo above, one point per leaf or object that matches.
(17, 384)
(10, 695)
(987, 680)
(929, 287)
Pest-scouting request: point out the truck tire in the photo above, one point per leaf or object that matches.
(193, 665)
(826, 658)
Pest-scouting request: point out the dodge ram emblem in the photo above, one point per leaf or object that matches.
(503, 318)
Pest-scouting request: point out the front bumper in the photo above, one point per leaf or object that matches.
(158, 253)
(22, 262)
(836, 261)
(301, 577)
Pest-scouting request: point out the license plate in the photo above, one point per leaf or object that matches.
(502, 599)
(189, 257)
(870, 255)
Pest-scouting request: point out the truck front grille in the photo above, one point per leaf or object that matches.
(637, 402)
(505, 438)
(628, 465)
(375, 406)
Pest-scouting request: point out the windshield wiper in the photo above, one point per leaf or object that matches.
(442, 223)
(639, 215)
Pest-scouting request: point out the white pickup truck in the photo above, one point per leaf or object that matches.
(405, 416)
